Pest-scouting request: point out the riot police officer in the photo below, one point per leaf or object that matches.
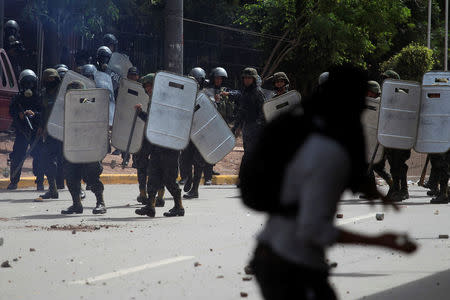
(250, 117)
(52, 157)
(110, 41)
(162, 171)
(281, 83)
(62, 69)
(89, 172)
(191, 156)
(141, 160)
(103, 57)
(89, 71)
(25, 109)
(397, 160)
(13, 45)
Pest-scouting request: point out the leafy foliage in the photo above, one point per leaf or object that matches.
(411, 62)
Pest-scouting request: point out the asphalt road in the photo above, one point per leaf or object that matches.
(201, 256)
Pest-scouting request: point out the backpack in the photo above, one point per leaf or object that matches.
(262, 172)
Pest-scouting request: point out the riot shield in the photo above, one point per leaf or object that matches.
(399, 114)
(283, 103)
(55, 124)
(86, 116)
(130, 94)
(171, 111)
(210, 133)
(436, 78)
(433, 129)
(103, 81)
(369, 120)
(119, 64)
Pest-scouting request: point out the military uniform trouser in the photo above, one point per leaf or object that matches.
(399, 169)
(141, 161)
(52, 160)
(163, 171)
(90, 173)
(186, 162)
(380, 169)
(250, 135)
(441, 164)
(208, 171)
(18, 154)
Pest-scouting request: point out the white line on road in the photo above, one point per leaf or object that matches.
(355, 219)
(124, 272)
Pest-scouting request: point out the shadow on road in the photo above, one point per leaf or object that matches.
(355, 275)
(432, 287)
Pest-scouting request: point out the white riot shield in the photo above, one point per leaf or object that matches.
(210, 133)
(399, 114)
(119, 64)
(103, 81)
(171, 111)
(433, 134)
(281, 104)
(55, 124)
(436, 78)
(130, 94)
(86, 118)
(369, 120)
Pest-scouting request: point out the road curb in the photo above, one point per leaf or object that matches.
(27, 182)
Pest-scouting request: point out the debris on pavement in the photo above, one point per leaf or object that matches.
(436, 212)
(1, 241)
(339, 216)
(443, 236)
(6, 264)
(248, 270)
(32, 250)
(244, 295)
(220, 277)
(197, 264)
(333, 265)
(247, 279)
(15, 259)
(380, 217)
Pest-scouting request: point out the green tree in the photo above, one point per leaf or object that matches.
(317, 34)
(411, 62)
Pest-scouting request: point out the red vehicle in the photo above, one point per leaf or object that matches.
(8, 89)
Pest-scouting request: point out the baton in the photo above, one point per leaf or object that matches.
(424, 172)
(133, 126)
(26, 117)
(369, 171)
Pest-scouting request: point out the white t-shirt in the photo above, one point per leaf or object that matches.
(315, 179)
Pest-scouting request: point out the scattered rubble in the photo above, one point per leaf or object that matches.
(339, 216)
(436, 212)
(333, 265)
(248, 270)
(32, 250)
(244, 295)
(220, 277)
(6, 264)
(247, 279)
(1, 241)
(443, 236)
(380, 217)
(197, 264)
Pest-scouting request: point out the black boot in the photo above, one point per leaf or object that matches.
(142, 198)
(51, 194)
(148, 210)
(12, 186)
(160, 198)
(100, 206)
(394, 189)
(443, 193)
(193, 194)
(76, 208)
(404, 189)
(178, 209)
(40, 186)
